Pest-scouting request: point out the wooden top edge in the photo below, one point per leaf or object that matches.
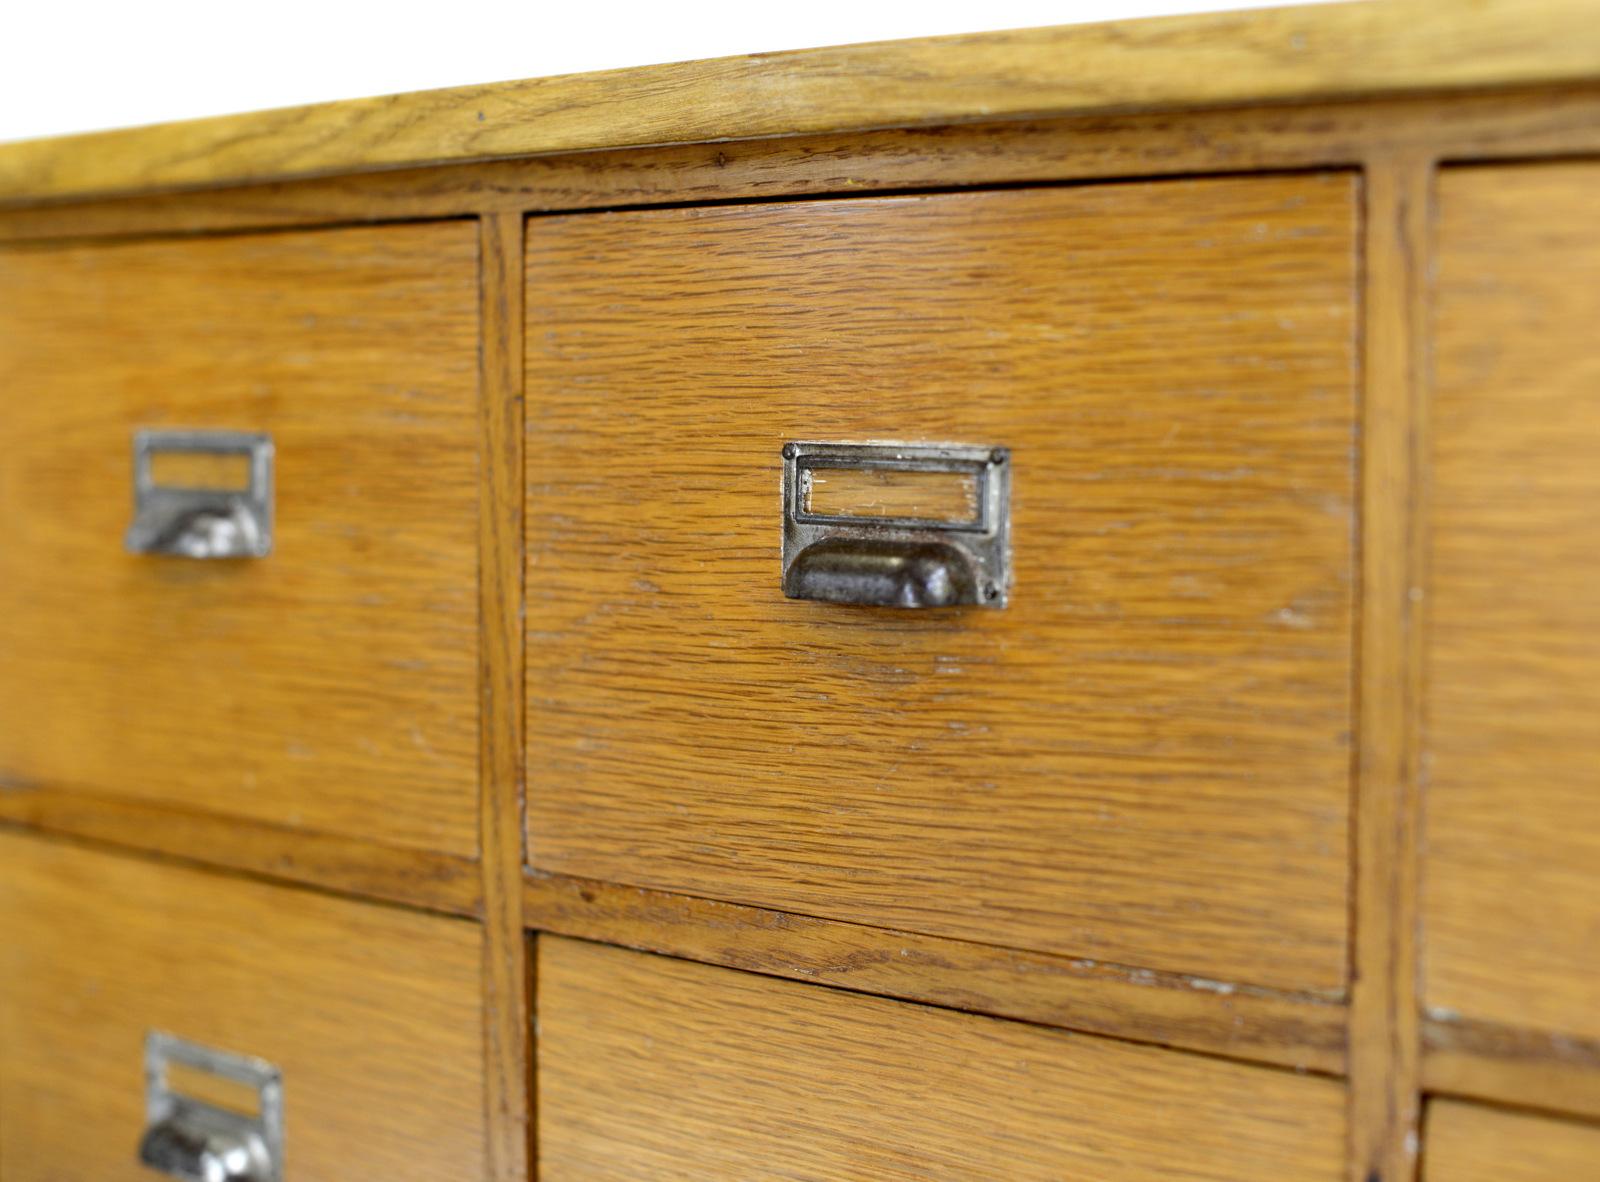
(1308, 53)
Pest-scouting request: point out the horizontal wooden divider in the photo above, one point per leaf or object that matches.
(414, 877)
(1460, 1057)
(1531, 1069)
(1168, 1009)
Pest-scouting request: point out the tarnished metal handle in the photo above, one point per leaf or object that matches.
(202, 522)
(184, 1149)
(198, 1141)
(881, 574)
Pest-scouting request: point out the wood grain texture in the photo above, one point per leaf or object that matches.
(371, 1012)
(1471, 1143)
(1511, 1065)
(505, 948)
(651, 1068)
(397, 874)
(329, 687)
(1167, 1009)
(1385, 1104)
(1221, 59)
(1145, 759)
(1495, 124)
(1512, 878)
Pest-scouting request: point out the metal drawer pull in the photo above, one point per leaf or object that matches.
(201, 1142)
(202, 522)
(892, 552)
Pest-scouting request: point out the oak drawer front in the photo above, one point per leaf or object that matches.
(328, 685)
(1473, 1143)
(1145, 757)
(1512, 725)
(651, 1068)
(370, 1013)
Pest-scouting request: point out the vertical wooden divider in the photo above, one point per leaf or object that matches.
(506, 967)
(1384, 1048)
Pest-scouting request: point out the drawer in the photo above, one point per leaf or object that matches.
(1472, 1143)
(1145, 757)
(651, 1068)
(370, 1014)
(1512, 789)
(329, 685)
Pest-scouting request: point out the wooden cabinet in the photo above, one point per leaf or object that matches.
(371, 1015)
(328, 687)
(1239, 819)
(1144, 758)
(651, 1068)
(1512, 727)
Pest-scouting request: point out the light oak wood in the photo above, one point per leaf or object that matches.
(372, 1013)
(1145, 759)
(1222, 59)
(651, 1068)
(328, 687)
(505, 948)
(1509, 1064)
(1512, 878)
(1385, 1046)
(1471, 1143)
(1513, 1065)
(1167, 1009)
(399, 874)
(1495, 124)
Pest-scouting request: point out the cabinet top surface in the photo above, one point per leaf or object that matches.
(1299, 54)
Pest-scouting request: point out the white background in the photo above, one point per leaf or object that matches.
(77, 66)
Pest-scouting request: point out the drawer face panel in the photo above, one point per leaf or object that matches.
(651, 1068)
(1512, 723)
(1145, 757)
(371, 1013)
(329, 685)
(1472, 1143)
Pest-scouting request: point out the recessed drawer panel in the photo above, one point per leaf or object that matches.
(1144, 756)
(1472, 1143)
(367, 1016)
(328, 684)
(1512, 723)
(651, 1068)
